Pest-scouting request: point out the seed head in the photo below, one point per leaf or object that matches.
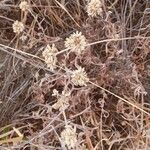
(24, 6)
(63, 99)
(69, 137)
(51, 62)
(79, 77)
(49, 50)
(50, 56)
(18, 27)
(76, 42)
(94, 8)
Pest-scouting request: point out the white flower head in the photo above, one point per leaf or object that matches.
(49, 50)
(79, 77)
(76, 42)
(50, 56)
(18, 27)
(63, 99)
(69, 136)
(94, 8)
(24, 6)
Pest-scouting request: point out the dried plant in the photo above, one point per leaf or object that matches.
(69, 137)
(24, 6)
(94, 8)
(76, 42)
(79, 77)
(63, 100)
(18, 27)
(74, 75)
(50, 56)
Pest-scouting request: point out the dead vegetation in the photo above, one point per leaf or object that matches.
(111, 111)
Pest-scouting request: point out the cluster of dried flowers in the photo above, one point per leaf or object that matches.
(94, 8)
(76, 43)
(49, 55)
(69, 136)
(18, 26)
(24, 6)
(79, 77)
(62, 100)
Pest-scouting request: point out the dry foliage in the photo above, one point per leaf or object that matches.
(74, 74)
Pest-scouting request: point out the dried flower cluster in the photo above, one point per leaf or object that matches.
(94, 8)
(69, 137)
(24, 6)
(65, 70)
(18, 27)
(49, 55)
(63, 100)
(23, 38)
(76, 42)
(79, 77)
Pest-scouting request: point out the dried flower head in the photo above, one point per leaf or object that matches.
(94, 8)
(24, 6)
(79, 77)
(49, 50)
(63, 100)
(51, 62)
(18, 27)
(50, 56)
(69, 137)
(76, 42)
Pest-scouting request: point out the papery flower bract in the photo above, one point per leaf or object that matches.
(23, 38)
(79, 77)
(76, 42)
(50, 56)
(94, 8)
(63, 100)
(24, 6)
(69, 137)
(18, 27)
(51, 62)
(55, 93)
(49, 50)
